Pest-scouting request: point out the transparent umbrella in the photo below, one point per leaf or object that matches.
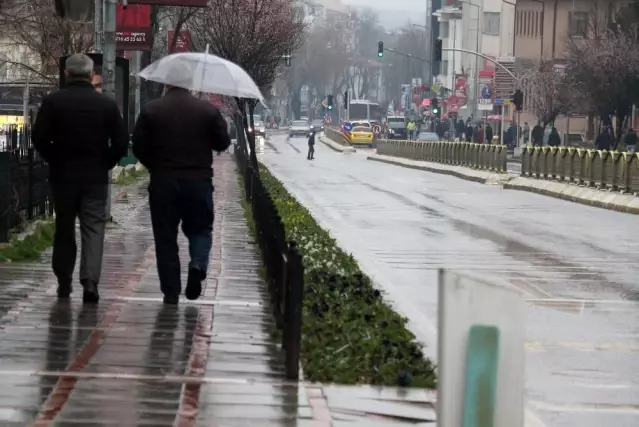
(203, 72)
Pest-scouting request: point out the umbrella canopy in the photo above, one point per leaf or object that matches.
(203, 72)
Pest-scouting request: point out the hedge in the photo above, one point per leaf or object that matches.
(350, 335)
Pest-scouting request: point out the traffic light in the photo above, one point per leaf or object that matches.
(346, 100)
(434, 106)
(380, 49)
(518, 100)
(329, 101)
(438, 50)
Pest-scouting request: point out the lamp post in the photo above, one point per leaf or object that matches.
(476, 79)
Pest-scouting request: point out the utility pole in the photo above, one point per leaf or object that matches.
(108, 66)
(97, 25)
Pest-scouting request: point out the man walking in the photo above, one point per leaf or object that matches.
(81, 135)
(311, 146)
(175, 137)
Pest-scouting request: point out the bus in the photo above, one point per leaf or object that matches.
(364, 110)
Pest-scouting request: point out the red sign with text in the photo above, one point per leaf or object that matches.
(182, 43)
(184, 3)
(133, 27)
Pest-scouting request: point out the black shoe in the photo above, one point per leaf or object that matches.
(90, 295)
(171, 299)
(64, 289)
(194, 284)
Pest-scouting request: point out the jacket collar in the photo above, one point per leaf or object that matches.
(79, 83)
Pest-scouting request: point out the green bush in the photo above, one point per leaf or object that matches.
(31, 247)
(349, 335)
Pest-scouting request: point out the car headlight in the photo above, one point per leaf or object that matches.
(250, 129)
(262, 130)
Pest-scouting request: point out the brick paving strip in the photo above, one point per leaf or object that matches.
(133, 362)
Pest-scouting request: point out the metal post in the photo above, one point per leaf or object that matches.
(137, 57)
(108, 66)
(98, 25)
(25, 110)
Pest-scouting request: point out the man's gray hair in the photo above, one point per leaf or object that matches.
(79, 66)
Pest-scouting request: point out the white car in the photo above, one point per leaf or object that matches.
(299, 128)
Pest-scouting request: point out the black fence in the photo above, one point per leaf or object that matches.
(281, 260)
(24, 187)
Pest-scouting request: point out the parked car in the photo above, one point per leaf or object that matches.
(317, 125)
(260, 129)
(428, 137)
(299, 128)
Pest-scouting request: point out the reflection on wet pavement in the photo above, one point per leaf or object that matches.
(576, 265)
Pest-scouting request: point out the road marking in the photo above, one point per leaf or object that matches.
(588, 408)
(203, 302)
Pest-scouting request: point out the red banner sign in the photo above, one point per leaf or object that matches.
(133, 27)
(182, 43)
(185, 3)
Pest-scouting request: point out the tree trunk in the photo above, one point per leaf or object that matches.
(296, 105)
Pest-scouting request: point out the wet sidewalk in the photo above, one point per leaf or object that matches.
(133, 362)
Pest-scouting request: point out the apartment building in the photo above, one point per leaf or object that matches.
(543, 29)
(482, 26)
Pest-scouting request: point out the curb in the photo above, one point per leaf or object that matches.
(488, 179)
(335, 146)
(633, 210)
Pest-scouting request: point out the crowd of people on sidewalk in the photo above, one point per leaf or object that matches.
(82, 135)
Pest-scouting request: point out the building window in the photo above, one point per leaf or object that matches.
(491, 23)
(443, 30)
(578, 24)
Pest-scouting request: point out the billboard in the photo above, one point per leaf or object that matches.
(485, 91)
(133, 27)
(182, 43)
(189, 3)
(121, 79)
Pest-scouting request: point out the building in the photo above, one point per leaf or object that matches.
(473, 26)
(543, 29)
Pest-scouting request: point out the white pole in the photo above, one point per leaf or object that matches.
(503, 121)
(98, 27)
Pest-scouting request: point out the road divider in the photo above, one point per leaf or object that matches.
(337, 136)
(335, 146)
(597, 169)
(485, 157)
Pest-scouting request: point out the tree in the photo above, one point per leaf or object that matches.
(255, 34)
(547, 93)
(35, 38)
(321, 64)
(368, 32)
(399, 69)
(603, 72)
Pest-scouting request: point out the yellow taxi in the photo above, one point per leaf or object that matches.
(361, 135)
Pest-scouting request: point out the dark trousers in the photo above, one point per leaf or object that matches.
(311, 152)
(87, 202)
(180, 200)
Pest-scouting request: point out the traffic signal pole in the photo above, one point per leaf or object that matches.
(108, 65)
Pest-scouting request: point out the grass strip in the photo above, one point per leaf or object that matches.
(135, 175)
(350, 335)
(29, 248)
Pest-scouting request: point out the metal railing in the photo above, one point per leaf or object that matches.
(477, 156)
(24, 188)
(283, 263)
(610, 170)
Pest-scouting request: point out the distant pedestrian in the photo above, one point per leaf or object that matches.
(311, 146)
(554, 139)
(175, 137)
(630, 139)
(604, 140)
(538, 135)
(82, 135)
(489, 134)
(526, 133)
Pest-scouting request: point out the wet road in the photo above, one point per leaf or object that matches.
(576, 265)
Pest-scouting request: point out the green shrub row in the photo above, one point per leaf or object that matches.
(350, 335)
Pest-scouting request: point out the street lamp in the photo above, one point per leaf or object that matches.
(476, 79)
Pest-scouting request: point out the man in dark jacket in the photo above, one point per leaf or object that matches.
(537, 135)
(605, 140)
(489, 134)
(175, 137)
(554, 139)
(311, 146)
(81, 135)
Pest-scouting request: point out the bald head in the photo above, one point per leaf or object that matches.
(79, 67)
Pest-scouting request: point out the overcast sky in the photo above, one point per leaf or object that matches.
(408, 5)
